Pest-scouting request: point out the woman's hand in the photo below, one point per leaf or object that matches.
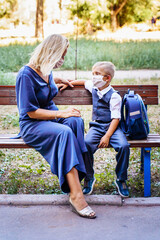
(67, 82)
(104, 141)
(63, 83)
(61, 86)
(71, 112)
(45, 114)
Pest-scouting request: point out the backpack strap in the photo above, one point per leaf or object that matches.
(130, 105)
(123, 122)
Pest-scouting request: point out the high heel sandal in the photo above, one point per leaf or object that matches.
(85, 212)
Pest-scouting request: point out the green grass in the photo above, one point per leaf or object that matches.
(31, 175)
(14, 56)
(125, 55)
(7, 78)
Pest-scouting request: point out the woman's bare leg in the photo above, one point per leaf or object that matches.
(76, 193)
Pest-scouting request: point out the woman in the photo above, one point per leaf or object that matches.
(57, 134)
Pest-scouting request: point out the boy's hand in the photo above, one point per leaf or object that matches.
(104, 142)
(105, 139)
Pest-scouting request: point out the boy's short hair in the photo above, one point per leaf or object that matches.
(107, 66)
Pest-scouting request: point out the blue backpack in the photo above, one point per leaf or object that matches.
(134, 121)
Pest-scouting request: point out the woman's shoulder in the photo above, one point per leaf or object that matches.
(25, 75)
(25, 70)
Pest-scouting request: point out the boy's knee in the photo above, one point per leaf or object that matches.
(90, 145)
(125, 148)
(125, 145)
(122, 146)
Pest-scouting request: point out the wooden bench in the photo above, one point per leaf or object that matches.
(79, 96)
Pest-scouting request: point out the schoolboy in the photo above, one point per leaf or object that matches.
(104, 128)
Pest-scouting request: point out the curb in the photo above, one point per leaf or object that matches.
(61, 199)
(150, 201)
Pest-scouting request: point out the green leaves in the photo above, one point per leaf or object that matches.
(116, 13)
(7, 7)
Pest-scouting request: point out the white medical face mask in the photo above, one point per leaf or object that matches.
(98, 81)
(59, 63)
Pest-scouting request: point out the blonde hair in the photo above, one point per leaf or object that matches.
(48, 53)
(108, 67)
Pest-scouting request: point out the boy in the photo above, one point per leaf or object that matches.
(104, 129)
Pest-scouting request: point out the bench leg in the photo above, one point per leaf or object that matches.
(142, 160)
(147, 172)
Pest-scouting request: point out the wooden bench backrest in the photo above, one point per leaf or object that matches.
(79, 96)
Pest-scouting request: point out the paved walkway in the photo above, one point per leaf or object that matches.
(120, 74)
(59, 223)
(49, 217)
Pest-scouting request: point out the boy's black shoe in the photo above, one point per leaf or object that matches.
(122, 188)
(88, 186)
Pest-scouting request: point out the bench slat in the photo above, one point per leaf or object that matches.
(153, 140)
(143, 90)
(79, 96)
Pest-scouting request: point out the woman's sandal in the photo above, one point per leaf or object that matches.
(85, 212)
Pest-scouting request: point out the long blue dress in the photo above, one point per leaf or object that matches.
(60, 142)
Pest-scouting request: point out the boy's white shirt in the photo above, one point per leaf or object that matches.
(115, 102)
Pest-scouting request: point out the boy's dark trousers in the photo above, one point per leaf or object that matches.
(118, 141)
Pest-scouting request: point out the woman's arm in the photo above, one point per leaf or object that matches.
(43, 114)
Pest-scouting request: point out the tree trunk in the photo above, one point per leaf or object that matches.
(39, 19)
(114, 12)
(60, 8)
(113, 21)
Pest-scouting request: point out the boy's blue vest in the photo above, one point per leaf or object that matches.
(101, 107)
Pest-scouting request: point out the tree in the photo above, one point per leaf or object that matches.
(156, 9)
(128, 11)
(90, 14)
(137, 11)
(39, 19)
(60, 8)
(7, 7)
(115, 8)
(94, 15)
